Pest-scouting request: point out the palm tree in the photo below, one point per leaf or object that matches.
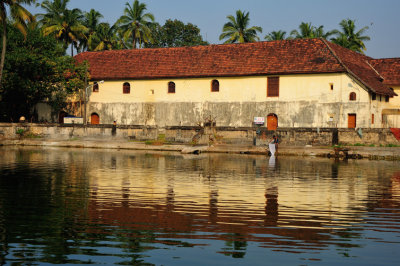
(236, 29)
(20, 17)
(66, 25)
(134, 24)
(105, 38)
(275, 35)
(320, 33)
(307, 31)
(91, 22)
(349, 38)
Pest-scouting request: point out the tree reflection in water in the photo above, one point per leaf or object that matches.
(64, 206)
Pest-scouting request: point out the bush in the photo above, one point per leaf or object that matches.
(359, 144)
(392, 145)
(20, 132)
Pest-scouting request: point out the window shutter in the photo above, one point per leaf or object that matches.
(273, 87)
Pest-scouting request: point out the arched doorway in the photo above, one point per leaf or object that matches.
(272, 122)
(94, 119)
(61, 116)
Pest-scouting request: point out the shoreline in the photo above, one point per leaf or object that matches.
(359, 152)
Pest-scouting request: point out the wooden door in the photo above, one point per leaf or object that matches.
(94, 119)
(61, 117)
(352, 120)
(272, 122)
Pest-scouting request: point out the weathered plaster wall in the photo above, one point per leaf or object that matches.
(304, 101)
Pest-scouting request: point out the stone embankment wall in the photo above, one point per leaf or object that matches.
(228, 135)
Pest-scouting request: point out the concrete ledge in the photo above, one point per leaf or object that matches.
(372, 153)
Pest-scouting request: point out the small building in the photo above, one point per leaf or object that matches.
(291, 83)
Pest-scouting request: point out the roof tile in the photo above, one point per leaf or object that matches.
(261, 58)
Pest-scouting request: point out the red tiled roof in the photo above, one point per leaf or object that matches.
(389, 68)
(303, 56)
(359, 66)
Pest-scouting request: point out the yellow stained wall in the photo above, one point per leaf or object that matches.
(393, 118)
(323, 98)
(233, 89)
(395, 101)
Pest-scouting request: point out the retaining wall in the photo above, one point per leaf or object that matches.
(185, 134)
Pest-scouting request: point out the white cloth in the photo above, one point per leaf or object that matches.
(272, 148)
(271, 163)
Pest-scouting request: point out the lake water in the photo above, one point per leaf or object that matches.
(87, 206)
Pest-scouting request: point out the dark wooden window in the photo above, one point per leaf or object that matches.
(215, 85)
(273, 87)
(373, 96)
(95, 87)
(171, 87)
(126, 88)
(331, 84)
(372, 119)
(352, 96)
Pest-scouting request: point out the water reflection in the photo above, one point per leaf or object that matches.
(90, 206)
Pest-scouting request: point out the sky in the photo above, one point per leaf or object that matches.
(381, 16)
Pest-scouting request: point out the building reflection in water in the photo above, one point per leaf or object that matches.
(271, 206)
(288, 205)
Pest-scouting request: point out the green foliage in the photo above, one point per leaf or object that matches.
(349, 38)
(20, 132)
(359, 144)
(236, 30)
(62, 23)
(392, 145)
(135, 25)
(105, 38)
(91, 21)
(36, 70)
(276, 35)
(174, 33)
(19, 16)
(307, 30)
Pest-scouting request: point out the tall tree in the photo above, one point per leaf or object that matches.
(135, 24)
(36, 70)
(174, 33)
(19, 15)
(307, 31)
(64, 24)
(276, 35)
(349, 38)
(236, 30)
(105, 38)
(91, 21)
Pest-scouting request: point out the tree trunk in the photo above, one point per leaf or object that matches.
(3, 51)
(134, 43)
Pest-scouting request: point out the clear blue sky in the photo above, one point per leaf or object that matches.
(382, 16)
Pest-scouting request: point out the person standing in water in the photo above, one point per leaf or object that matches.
(275, 141)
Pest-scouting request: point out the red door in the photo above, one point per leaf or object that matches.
(352, 121)
(272, 122)
(94, 119)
